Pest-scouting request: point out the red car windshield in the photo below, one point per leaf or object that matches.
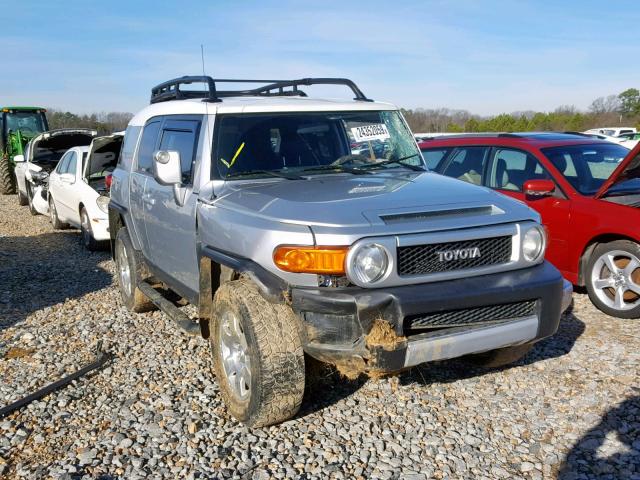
(586, 167)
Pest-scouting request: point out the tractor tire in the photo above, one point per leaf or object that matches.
(7, 178)
(257, 355)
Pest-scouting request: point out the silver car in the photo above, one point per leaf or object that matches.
(301, 226)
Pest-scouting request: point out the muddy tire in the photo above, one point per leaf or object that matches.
(499, 357)
(612, 278)
(53, 216)
(7, 177)
(257, 355)
(86, 233)
(128, 271)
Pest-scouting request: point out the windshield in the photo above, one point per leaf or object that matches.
(290, 143)
(586, 167)
(26, 122)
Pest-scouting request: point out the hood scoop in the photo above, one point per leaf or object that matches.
(461, 212)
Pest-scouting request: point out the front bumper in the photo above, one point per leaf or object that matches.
(339, 323)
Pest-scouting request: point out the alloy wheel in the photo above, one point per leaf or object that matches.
(235, 355)
(615, 278)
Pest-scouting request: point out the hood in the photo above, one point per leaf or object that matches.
(103, 154)
(366, 200)
(629, 168)
(46, 148)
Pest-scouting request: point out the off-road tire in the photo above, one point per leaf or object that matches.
(7, 177)
(275, 352)
(53, 216)
(32, 209)
(499, 357)
(135, 301)
(621, 245)
(86, 234)
(22, 199)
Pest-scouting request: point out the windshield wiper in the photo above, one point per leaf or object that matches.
(399, 161)
(272, 173)
(338, 168)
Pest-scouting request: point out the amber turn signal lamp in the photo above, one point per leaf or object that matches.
(320, 260)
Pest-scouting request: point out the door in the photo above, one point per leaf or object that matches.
(508, 170)
(56, 185)
(140, 173)
(171, 228)
(66, 184)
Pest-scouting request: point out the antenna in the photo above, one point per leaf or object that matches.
(206, 109)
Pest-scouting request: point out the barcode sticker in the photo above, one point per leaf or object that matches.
(377, 131)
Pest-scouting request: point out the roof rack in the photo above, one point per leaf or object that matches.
(170, 90)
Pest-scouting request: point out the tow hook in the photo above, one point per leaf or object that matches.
(101, 359)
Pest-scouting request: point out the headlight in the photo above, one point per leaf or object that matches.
(369, 263)
(103, 203)
(533, 244)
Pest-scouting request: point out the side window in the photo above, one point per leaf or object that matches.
(511, 168)
(434, 156)
(129, 146)
(181, 136)
(148, 146)
(467, 163)
(63, 163)
(71, 166)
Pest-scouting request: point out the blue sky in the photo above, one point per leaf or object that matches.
(487, 57)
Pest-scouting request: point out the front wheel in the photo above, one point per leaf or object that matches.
(613, 278)
(53, 215)
(258, 356)
(86, 232)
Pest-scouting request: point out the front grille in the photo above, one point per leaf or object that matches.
(426, 259)
(471, 316)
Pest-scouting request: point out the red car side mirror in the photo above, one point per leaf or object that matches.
(539, 188)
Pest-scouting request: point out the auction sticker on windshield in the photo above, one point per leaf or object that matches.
(364, 133)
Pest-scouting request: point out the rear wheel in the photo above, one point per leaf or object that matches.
(613, 278)
(258, 356)
(128, 268)
(7, 177)
(53, 215)
(88, 241)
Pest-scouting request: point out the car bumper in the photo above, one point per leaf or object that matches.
(340, 324)
(100, 228)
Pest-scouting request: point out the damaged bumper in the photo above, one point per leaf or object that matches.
(394, 328)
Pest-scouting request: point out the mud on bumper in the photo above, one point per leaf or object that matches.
(371, 330)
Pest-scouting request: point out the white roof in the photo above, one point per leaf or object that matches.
(254, 105)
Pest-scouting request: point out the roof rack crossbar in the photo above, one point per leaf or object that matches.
(170, 90)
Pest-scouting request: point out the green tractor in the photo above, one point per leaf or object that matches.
(18, 125)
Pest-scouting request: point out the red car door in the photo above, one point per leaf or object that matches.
(508, 171)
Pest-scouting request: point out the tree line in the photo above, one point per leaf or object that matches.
(622, 109)
(614, 110)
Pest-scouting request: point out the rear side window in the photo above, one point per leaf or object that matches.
(434, 156)
(129, 146)
(181, 136)
(468, 164)
(148, 146)
(511, 168)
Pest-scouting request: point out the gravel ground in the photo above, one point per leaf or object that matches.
(570, 409)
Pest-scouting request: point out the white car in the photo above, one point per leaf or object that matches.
(611, 131)
(78, 189)
(40, 158)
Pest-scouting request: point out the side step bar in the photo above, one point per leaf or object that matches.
(173, 312)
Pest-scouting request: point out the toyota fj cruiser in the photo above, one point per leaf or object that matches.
(304, 226)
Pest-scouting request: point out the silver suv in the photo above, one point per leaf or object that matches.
(304, 226)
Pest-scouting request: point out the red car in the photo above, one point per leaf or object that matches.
(586, 190)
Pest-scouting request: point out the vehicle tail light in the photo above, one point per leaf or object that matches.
(107, 181)
(321, 260)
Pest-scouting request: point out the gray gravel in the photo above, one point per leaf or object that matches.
(571, 408)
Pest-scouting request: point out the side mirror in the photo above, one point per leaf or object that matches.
(166, 168)
(18, 158)
(539, 188)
